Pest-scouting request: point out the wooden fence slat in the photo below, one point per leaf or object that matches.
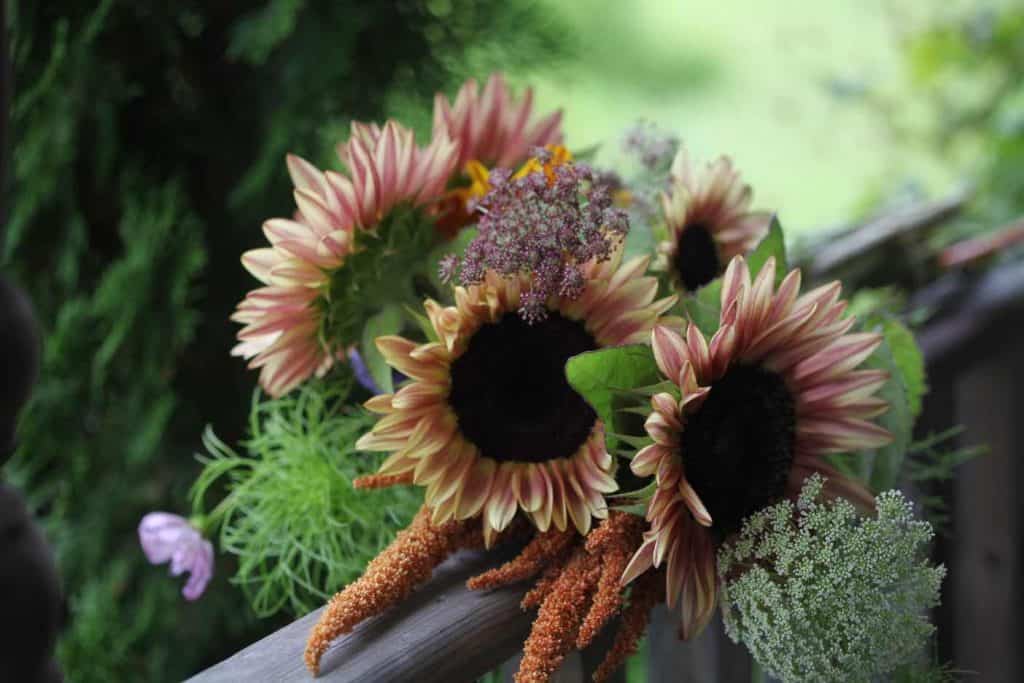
(985, 561)
(938, 414)
(711, 656)
(905, 222)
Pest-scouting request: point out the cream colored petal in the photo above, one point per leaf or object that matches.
(694, 503)
(669, 351)
(477, 488)
(641, 561)
(645, 463)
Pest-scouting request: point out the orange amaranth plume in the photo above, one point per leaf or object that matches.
(390, 578)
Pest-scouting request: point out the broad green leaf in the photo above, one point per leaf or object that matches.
(909, 360)
(703, 309)
(900, 356)
(599, 375)
(388, 321)
(883, 466)
(874, 301)
(773, 244)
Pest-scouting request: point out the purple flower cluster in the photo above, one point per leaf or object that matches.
(653, 147)
(547, 224)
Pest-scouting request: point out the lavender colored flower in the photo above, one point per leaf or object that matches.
(363, 375)
(448, 267)
(651, 146)
(167, 537)
(361, 372)
(546, 223)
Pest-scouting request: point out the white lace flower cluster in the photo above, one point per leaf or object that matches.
(817, 592)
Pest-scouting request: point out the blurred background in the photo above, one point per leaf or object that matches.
(147, 145)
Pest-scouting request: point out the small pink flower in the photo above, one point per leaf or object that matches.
(167, 537)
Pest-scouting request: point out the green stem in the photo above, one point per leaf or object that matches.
(757, 674)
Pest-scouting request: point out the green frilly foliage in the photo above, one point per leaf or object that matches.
(148, 147)
(290, 515)
(818, 593)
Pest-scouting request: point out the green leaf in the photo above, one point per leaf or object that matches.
(422, 322)
(703, 309)
(599, 375)
(882, 467)
(388, 321)
(634, 502)
(773, 244)
(909, 361)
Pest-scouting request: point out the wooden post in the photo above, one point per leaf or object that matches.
(986, 560)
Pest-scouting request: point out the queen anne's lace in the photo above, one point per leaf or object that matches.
(819, 594)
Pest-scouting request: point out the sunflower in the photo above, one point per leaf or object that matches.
(488, 423)
(776, 388)
(708, 220)
(493, 129)
(284, 320)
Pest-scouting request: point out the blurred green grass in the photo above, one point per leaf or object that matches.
(768, 83)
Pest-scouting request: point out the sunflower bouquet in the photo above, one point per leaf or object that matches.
(617, 372)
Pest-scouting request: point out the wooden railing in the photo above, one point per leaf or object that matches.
(974, 347)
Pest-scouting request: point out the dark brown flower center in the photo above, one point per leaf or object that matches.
(510, 394)
(696, 260)
(737, 449)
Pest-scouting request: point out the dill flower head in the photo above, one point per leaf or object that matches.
(651, 146)
(547, 220)
(818, 593)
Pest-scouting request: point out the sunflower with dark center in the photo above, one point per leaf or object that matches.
(776, 388)
(708, 219)
(389, 178)
(488, 423)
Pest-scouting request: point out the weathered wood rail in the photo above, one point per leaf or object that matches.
(436, 635)
(974, 346)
